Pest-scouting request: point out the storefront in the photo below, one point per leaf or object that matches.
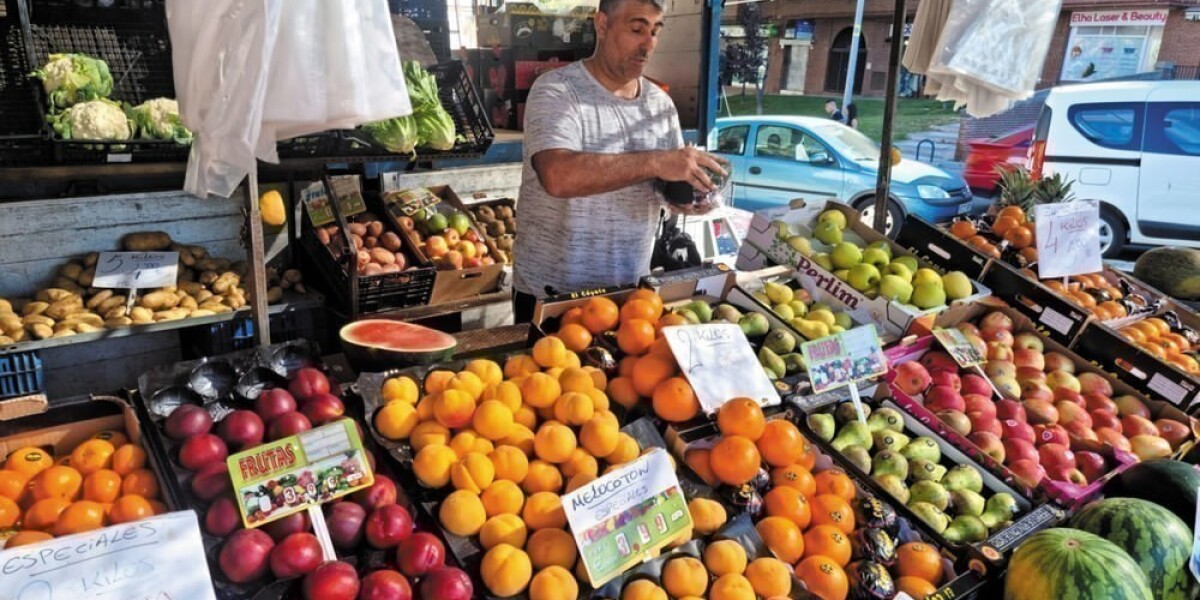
(1108, 44)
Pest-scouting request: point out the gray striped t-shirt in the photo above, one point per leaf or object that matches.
(571, 244)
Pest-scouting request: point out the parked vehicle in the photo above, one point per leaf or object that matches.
(988, 156)
(1135, 147)
(776, 159)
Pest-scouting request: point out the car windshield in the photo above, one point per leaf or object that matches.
(848, 142)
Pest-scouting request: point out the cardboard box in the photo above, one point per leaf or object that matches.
(762, 247)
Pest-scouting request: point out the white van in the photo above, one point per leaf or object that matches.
(1135, 147)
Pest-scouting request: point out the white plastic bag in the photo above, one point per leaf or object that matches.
(251, 72)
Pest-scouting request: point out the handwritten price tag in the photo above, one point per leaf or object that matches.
(719, 363)
(132, 270)
(1068, 237)
(153, 558)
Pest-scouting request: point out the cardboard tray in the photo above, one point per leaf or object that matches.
(763, 247)
(935, 245)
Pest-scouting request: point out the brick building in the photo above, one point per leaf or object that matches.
(1093, 39)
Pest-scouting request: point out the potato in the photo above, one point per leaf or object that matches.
(35, 308)
(5, 340)
(186, 276)
(370, 242)
(223, 264)
(208, 264)
(208, 277)
(357, 229)
(382, 256)
(115, 313)
(9, 321)
(235, 301)
(189, 303)
(371, 269)
(87, 277)
(202, 312)
(64, 333)
(18, 335)
(390, 240)
(274, 295)
(357, 241)
(375, 228)
(69, 285)
(191, 287)
(111, 303)
(214, 304)
(85, 317)
(5, 306)
(298, 288)
(392, 268)
(159, 300)
(63, 327)
(200, 252)
(61, 309)
(225, 284)
(98, 298)
(40, 331)
(146, 241)
(141, 314)
(186, 259)
(71, 270)
(485, 214)
(91, 259)
(173, 314)
(202, 295)
(87, 327)
(323, 237)
(364, 259)
(37, 320)
(118, 322)
(54, 295)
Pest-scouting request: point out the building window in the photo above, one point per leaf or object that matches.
(1096, 52)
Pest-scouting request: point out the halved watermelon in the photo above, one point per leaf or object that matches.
(381, 344)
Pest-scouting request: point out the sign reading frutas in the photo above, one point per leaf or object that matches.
(623, 517)
(152, 558)
(136, 270)
(718, 362)
(844, 358)
(1068, 236)
(288, 475)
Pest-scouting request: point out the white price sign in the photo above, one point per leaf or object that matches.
(153, 558)
(719, 363)
(136, 270)
(1068, 239)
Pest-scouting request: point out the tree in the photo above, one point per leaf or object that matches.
(752, 56)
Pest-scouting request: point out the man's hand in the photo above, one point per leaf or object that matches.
(689, 164)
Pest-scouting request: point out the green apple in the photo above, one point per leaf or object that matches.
(843, 274)
(820, 306)
(822, 258)
(957, 285)
(899, 270)
(863, 277)
(895, 287)
(876, 257)
(926, 276)
(908, 261)
(800, 244)
(828, 233)
(929, 295)
(782, 230)
(882, 245)
(845, 255)
(833, 216)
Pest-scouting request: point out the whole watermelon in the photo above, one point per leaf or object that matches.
(1062, 564)
(1157, 540)
(1174, 271)
(1168, 483)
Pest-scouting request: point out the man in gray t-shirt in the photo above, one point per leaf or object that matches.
(597, 136)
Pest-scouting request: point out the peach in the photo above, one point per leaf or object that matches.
(308, 383)
(288, 424)
(241, 429)
(293, 523)
(421, 553)
(345, 521)
(187, 421)
(244, 557)
(297, 554)
(333, 580)
(222, 517)
(274, 402)
(385, 584)
(447, 583)
(381, 493)
(387, 526)
(323, 408)
(200, 450)
(211, 481)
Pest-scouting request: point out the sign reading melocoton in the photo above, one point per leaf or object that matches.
(1156, 17)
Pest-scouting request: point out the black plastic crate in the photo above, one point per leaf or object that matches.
(17, 96)
(326, 143)
(131, 36)
(21, 374)
(238, 334)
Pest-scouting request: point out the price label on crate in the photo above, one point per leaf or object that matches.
(1068, 239)
(154, 558)
(348, 191)
(717, 361)
(316, 204)
(289, 475)
(959, 347)
(620, 519)
(136, 270)
(844, 358)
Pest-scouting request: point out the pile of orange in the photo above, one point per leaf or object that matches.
(809, 520)
(648, 370)
(103, 481)
(1010, 225)
(509, 440)
(1154, 335)
(1074, 290)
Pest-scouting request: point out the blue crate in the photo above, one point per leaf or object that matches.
(20, 374)
(238, 334)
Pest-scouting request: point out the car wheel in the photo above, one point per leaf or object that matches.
(1112, 233)
(866, 208)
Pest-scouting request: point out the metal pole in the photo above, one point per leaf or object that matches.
(884, 183)
(710, 58)
(853, 69)
(256, 259)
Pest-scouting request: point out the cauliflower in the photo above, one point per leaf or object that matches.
(159, 119)
(94, 120)
(72, 78)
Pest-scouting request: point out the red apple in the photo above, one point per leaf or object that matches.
(1129, 405)
(274, 402)
(387, 526)
(944, 398)
(201, 450)
(1050, 434)
(1092, 383)
(447, 583)
(989, 443)
(1029, 341)
(241, 429)
(345, 521)
(980, 404)
(996, 320)
(1174, 432)
(998, 336)
(1135, 425)
(245, 555)
(968, 329)
(1010, 409)
(1149, 447)
(1018, 449)
(1027, 472)
(1019, 430)
(1057, 379)
(1057, 361)
(308, 383)
(1103, 418)
(997, 351)
(323, 408)
(955, 420)
(936, 360)
(1056, 456)
(1069, 395)
(385, 584)
(974, 384)
(1069, 412)
(911, 378)
(1000, 368)
(297, 554)
(1113, 438)
(333, 580)
(222, 517)
(1007, 386)
(1028, 373)
(985, 423)
(288, 424)
(1037, 392)
(1041, 412)
(949, 379)
(1096, 402)
(1082, 438)
(211, 481)
(187, 421)
(293, 523)
(1091, 465)
(419, 554)
(381, 493)
(1025, 357)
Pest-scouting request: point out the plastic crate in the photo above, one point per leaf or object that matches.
(20, 374)
(22, 138)
(238, 334)
(131, 36)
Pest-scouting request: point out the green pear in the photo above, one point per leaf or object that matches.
(852, 434)
(845, 255)
(894, 287)
(823, 425)
(780, 342)
(754, 325)
(894, 486)
(761, 296)
(823, 315)
(995, 520)
(771, 375)
(843, 274)
(688, 315)
(823, 259)
(882, 246)
(1002, 503)
(886, 439)
(820, 306)
(859, 457)
(799, 308)
(889, 462)
(928, 295)
(899, 270)
(833, 216)
(963, 477)
(926, 275)
(908, 261)
(800, 244)
(966, 529)
(782, 230)
(966, 502)
(771, 361)
(923, 470)
(863, 277)
(886, 418)
(794, 363)
(876, 257)
(702, 310)
(835, 329)
(932, 515)
(957, 285)
(827, 233)
(778, 293)
(845, 413)
(931, 492)
(923, 448)
(811, 330)
(843, 320)
(727, 313)
(784, 311)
